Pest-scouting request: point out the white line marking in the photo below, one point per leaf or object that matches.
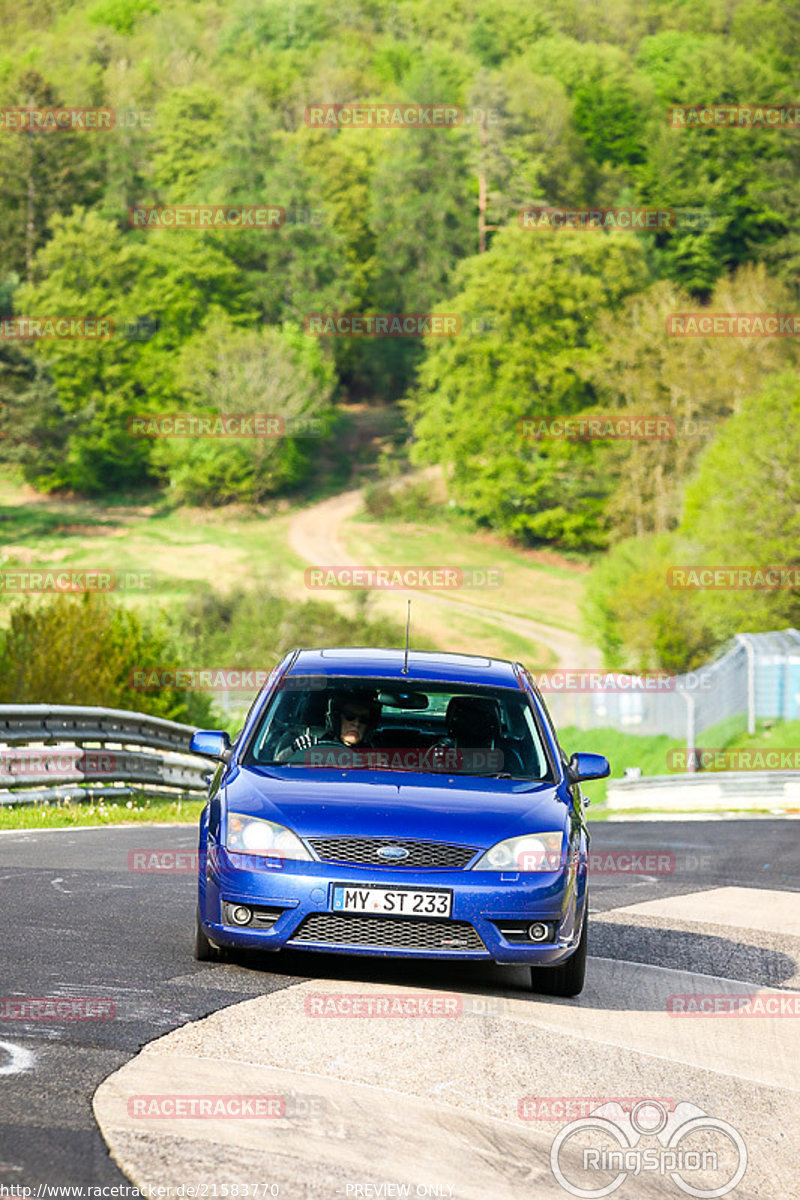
(21, 1059)
(63, 890)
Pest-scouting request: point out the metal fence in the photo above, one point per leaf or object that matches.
(755, 675)
(729, 791)
(55, 751)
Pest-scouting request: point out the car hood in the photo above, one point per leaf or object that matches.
(471, 812)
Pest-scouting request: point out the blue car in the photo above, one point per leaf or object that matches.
(398, 805)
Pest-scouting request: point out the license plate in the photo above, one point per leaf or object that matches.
(406, 902)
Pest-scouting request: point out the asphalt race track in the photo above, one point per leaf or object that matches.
(469, 1104)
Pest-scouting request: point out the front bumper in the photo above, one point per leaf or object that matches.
(482, 900)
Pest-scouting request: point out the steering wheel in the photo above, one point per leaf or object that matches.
(301, 753)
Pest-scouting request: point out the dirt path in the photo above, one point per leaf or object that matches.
(315, 535)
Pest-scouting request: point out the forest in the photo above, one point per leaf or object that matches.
(253, 105)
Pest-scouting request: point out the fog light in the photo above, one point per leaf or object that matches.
(241, 915)
(538, 931)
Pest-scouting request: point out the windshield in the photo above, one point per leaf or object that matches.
(386, 724)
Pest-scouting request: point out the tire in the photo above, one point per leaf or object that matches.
(203, 949)
(567, 978)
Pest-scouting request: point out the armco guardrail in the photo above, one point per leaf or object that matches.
(707, 791)
(49, 745)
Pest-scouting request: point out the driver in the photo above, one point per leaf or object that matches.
(350, 719)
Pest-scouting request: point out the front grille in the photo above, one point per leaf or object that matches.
(422, 856)
(391, 933)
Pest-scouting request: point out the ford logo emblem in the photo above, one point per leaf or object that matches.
(393, 852)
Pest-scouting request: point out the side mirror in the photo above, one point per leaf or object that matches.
(212, 743)
(588, 766)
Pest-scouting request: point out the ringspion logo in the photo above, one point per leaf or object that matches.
(702, 1155)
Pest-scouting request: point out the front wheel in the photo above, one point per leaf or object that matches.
(204, 951)
(567, 978)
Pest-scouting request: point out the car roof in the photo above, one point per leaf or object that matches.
(422, 665)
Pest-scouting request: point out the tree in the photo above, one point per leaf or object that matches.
(90, 269)
(727, 171)
(267, 372)
(84, 650)
(639, 622)
(540, 295)
(743, 508)
(41, 173)
(742, 511)
(695, 383)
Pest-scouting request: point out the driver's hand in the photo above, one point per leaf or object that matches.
(305, 741)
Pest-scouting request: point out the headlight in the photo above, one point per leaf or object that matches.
(530, 852)
(251, 835)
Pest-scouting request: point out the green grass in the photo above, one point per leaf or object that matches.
(539, 586)
(67, 814)
(166, 553)
(176, 549)
(622, 750)
(650, 753)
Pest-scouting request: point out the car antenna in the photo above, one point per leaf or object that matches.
(408, 626)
